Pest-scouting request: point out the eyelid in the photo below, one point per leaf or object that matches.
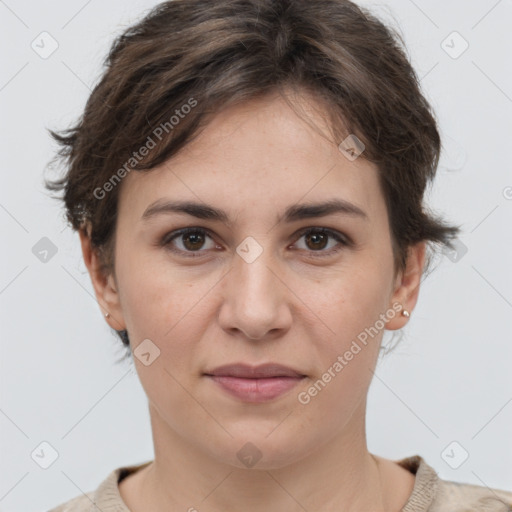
(168, 238)
(342, 239)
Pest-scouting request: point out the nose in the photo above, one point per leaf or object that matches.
(256, 298)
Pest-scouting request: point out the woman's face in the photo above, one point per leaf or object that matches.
(253, 288)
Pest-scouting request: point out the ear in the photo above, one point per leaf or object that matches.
(407, 285)
(105, 287)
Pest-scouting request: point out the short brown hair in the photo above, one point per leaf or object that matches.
(210, 55)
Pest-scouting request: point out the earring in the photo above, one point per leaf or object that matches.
(107, 315)
(406, 313)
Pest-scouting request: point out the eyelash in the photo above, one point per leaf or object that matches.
(342, 240)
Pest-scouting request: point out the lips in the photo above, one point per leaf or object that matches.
(263, 371)
(255, 383)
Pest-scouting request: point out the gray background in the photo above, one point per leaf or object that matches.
(449, 379)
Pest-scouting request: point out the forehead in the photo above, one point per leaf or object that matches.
(260, 154)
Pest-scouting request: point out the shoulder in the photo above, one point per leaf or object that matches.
(433, 494)
(460, 497)
(106, 497)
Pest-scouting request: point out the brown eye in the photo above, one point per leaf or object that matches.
(317, 239)
(193, 241)
(187, 241)
(190, 242)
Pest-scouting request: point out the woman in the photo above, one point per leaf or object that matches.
(247, 182)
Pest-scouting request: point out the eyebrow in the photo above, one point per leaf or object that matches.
(292, 213)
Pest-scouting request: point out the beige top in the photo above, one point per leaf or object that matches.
(429, 494)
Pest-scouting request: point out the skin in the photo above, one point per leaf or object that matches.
(287, 306)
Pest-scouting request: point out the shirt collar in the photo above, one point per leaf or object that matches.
(108, 499)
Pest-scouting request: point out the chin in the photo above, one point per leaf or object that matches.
(260, 451)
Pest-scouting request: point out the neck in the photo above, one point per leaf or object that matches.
(340, 471)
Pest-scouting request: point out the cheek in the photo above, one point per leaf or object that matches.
(350, 308)
(167, 310)
(156, 296)
(349, 353)
(353, 299)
